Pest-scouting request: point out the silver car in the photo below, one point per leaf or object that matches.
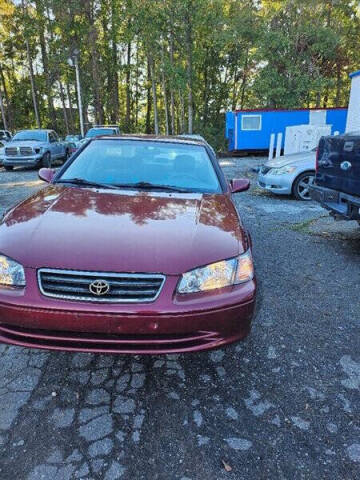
(2, 152)
(289, 175)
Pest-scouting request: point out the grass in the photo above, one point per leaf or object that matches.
(303, 226)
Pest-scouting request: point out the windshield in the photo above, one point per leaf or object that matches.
(100, 131)
(70, 138)
(31, 135)
(130, 162)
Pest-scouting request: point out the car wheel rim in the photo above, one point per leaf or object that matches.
(304, 187)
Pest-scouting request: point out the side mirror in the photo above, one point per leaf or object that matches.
(46, 174)
(239, 185)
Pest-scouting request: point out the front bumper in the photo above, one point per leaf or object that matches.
(280, 184)
(22, 161)
(173, 323)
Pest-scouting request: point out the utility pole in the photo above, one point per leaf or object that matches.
(74, 61)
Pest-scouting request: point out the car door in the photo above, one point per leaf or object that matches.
(55, 145)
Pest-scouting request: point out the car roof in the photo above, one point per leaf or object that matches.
(99, 127)
(36, 130)
(155, 138)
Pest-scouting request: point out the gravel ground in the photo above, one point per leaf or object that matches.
(284, 404)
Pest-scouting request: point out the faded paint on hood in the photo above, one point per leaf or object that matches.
(121, 231)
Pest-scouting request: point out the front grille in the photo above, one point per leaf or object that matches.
(122, 287)
(264, 170)
(26, 151)
(11, 151)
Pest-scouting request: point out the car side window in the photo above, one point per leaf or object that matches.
(52, 138)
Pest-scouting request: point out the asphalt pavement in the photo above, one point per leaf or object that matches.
(283, 404)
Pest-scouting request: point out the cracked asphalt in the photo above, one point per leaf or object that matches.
(284, 404)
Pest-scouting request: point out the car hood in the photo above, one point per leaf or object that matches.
(292, 159)
(26, 143)
(122, 231)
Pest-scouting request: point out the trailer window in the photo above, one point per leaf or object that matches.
(251, 122)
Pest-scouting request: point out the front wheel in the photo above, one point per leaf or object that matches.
(301, 187)
(46, 160)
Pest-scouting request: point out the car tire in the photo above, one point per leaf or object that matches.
(8, 168)
(46, 160)
(301, 186)
(66, 156)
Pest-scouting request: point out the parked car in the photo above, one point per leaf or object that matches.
(102, 130)
(289, 175)
(5, 136)
(119, 256)
(35, 148)
(73, 147)
(337, 180)
(73, 138)
(2, 152)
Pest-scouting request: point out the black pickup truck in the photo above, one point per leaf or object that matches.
(337, 181)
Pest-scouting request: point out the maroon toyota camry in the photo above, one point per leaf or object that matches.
(134, 246)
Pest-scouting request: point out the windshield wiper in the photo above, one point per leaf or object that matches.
(150, 186)
(86, 183)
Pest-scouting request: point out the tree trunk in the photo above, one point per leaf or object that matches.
(137, 88)
(163, 81)
(154, 95)
(62, 96)
(165, 105)
(244, 80)
(172, 96)
(45, 62)
(33, 88)
(205, 92)
(3, 116)
(338, 84)
(96, 80)
(189, 64)
(114, 67)
(128, 91)
(326, 98)
(182, 113)
(234, 90)
(71, 112)
(149, 100)
(9, 109)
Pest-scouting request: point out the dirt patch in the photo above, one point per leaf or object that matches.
(326, 226)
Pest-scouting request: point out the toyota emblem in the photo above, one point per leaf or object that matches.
(99, 287)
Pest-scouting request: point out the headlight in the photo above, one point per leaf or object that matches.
(11, 273)
(282, 170)
(37, 149)
(217, 275)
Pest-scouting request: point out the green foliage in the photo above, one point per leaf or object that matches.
(216, 54)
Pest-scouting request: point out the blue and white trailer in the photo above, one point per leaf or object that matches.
(250, 130)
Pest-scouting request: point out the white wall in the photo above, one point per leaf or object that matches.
(353, 116)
